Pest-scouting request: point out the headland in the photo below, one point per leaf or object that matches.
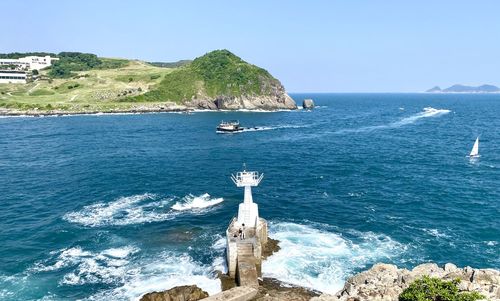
(82, 83)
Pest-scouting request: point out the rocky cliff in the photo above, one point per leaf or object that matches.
(384, 282)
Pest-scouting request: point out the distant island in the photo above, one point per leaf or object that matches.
(80, 83)
(465, 89)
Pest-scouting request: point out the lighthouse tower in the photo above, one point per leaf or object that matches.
(248, 211)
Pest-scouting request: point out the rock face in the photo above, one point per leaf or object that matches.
(278, 101)
(178, 293)
(308, 104)
(384, 282)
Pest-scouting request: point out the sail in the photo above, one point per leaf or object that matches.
(475, 148)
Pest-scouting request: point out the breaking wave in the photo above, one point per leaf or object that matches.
(426, 113)
(130, 274)
(107, 267)
(137, 209)
(323, 260)
(196, 202)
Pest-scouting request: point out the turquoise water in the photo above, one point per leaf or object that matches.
(109, 207)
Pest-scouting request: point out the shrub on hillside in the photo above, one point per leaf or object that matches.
(435, 289)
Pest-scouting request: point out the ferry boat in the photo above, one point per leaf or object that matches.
(229, 126)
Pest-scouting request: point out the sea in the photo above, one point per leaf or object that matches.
(112, 206)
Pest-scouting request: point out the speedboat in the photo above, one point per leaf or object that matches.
(229, 126)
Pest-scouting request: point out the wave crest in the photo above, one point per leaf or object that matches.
(190, 202)
(138, 209)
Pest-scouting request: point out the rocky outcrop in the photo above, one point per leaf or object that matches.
(384, 282)
(308, 104)
(271, 247)
(178, 293)
(278, 101)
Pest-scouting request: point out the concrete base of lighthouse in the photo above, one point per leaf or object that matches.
(244, 256)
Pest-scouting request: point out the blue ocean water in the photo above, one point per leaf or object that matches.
(108, 207)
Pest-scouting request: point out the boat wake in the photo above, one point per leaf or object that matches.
(323, 260)
(265, 128)
(426, 113)
(138, 209)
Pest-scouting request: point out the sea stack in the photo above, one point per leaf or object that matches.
(308, 104)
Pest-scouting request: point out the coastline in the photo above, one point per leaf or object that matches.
(178, 110)
(382, 281)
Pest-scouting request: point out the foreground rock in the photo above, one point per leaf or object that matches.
(385, 282)
(274, 290)
(308, 104)
(239, 293)
(178, 293)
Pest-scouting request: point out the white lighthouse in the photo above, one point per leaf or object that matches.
(245, 242)
(248, 211)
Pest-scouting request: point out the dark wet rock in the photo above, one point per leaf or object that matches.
(178, 293)
(271, 247)
(308, 104)
(226, 281)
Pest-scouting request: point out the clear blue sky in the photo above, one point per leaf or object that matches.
(311, 46)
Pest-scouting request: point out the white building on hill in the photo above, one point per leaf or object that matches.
(15, 71)
(12, 77)
(29, 62)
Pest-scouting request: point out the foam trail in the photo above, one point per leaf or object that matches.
(134, 209)
(265, 128)
(426, 113)
(323, 260)
(190, 202)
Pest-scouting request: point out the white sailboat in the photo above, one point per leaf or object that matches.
(474, 153)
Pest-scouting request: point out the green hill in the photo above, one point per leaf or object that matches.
(217, 73)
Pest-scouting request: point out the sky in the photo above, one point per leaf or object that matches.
(310, 46)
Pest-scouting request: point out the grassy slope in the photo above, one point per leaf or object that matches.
(215, 74)
(99, 90)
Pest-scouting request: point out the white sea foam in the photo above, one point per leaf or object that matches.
(323, 260)
(108, 266)
(219, 243)
(129, 272)
(191, 202)
(435, 232)
(134, 209)
(138, 209)
(427, 112)
(265, 128)
(162, 272)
